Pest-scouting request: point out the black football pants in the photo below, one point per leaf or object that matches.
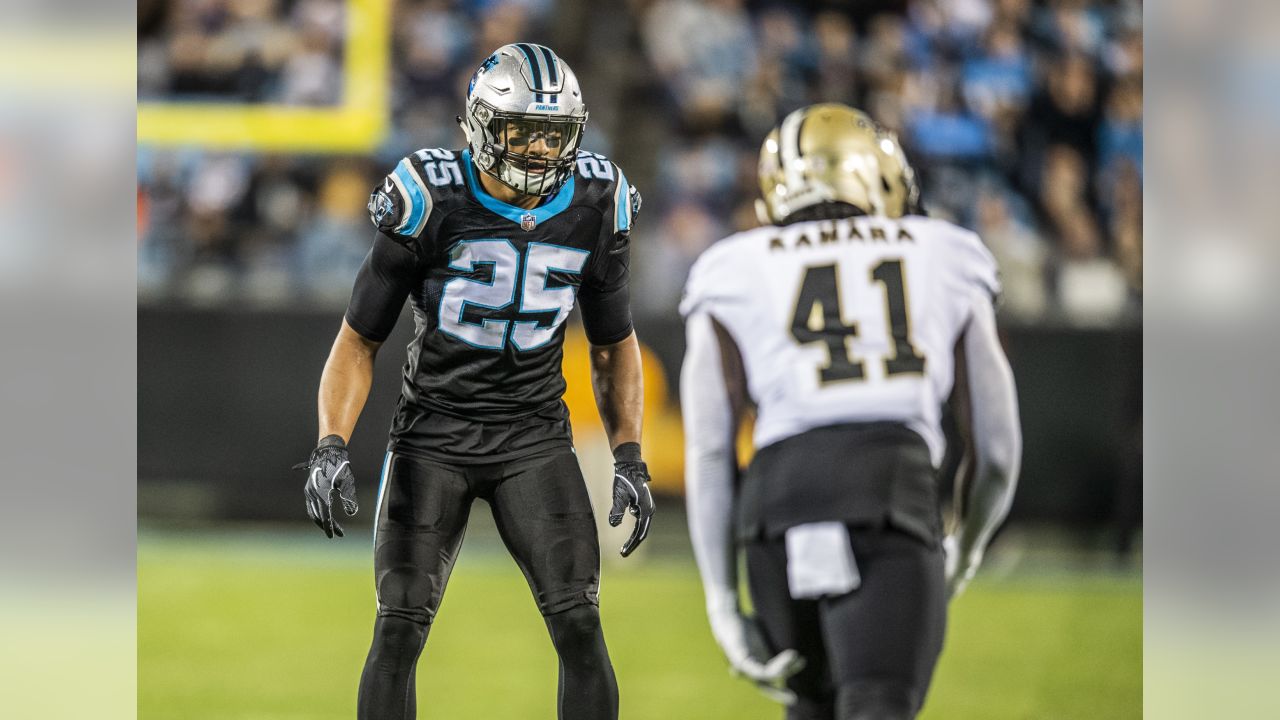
(543, 513)
(869, 653)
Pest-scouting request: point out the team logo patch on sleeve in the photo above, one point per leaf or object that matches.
(382, 209)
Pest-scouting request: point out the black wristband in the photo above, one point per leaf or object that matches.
(627, 452)
(331, 441)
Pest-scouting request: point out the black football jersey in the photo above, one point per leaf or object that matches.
(491, 286)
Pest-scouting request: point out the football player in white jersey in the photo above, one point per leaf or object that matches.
(842, 326)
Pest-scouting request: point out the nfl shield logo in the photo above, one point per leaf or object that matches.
(528, 221)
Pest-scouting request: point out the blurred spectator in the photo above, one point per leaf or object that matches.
(837, 67)
(433, 39)
(947, 130)
(706, 52)
(786, 62)
(1020, 253)
(884, 55)
(1120, 135)
(965, 20)
(312, 75)
(1072, 26)
(687, 229)
(335, 242)
(998, 79)
(503, 23)
(1091, 290)
(1066, 111)
(1123, 189)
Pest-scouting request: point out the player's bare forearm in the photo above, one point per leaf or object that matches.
(617, 378)
(345, 383)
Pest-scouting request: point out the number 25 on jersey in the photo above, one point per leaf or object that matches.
(529, 272)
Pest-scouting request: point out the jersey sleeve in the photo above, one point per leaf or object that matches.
(710, 284)
(977, 265)
(605, 295)
(384, 281)
(606, 301)
(402, 204)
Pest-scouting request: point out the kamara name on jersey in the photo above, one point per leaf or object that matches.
(831, 233)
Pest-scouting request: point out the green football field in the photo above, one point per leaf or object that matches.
(257, 624)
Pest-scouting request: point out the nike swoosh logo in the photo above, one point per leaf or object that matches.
(313, 481)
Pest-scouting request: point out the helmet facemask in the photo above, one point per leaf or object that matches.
(530, 153)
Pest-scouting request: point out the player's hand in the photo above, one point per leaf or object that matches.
(743, 644)
(631, 492)
(960, 566)
(329, 481)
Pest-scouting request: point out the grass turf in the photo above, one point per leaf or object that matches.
(259, 628)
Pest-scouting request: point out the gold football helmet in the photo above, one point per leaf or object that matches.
(833, 153)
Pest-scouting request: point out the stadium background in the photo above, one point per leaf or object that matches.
(262, 125)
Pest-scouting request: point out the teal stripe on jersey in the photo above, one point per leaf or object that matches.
(418, 200)
(622, 212)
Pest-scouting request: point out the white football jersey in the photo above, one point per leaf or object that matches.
(850, 320)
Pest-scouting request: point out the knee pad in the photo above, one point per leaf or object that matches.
(576, 624)
(875, 701)
(409, 593)
(399, 635)
(576, 633)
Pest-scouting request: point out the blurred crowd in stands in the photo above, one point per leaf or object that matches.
(1023, 118)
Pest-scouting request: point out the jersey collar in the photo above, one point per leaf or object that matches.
(541, 213)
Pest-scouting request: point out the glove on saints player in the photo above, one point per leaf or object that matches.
(744, 646)
(329, 480)
(631, 492)
(960, 566)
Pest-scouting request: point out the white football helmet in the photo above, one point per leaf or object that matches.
(522, 94)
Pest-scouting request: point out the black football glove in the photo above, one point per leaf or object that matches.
(329, 479)
(631, 492)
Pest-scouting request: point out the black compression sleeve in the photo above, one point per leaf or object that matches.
(606, 316)
(388, 273)
(606, 303)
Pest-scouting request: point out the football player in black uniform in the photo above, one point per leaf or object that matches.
(492, 245)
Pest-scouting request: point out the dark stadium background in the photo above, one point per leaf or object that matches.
(264, 123)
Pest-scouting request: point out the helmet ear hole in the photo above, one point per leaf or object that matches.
(884, 182)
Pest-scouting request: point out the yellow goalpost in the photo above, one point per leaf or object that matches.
(357, 124)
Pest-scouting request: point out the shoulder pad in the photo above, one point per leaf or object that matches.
(403, 202)
(608, 187)
(968, 256)
(718, 275)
